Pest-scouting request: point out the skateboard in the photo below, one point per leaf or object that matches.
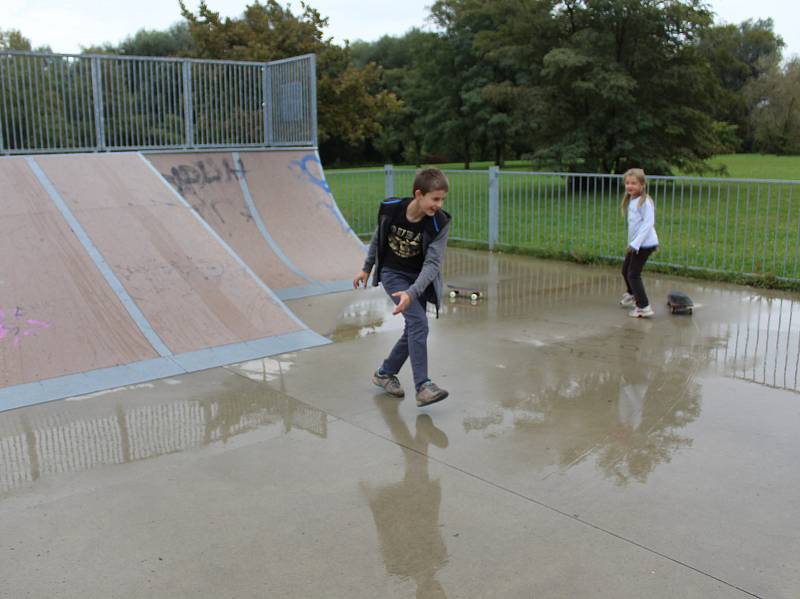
(457, 290)
(679, 303)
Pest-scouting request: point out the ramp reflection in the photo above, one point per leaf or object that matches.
(71, 436)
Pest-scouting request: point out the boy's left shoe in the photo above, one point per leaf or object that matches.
(429, 392)
(638, 312)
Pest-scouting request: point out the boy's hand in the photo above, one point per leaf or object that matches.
(361, 280)
(405, 301)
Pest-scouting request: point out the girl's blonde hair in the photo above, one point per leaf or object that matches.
(639, 175)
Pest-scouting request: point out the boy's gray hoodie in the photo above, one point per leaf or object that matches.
(429, 282)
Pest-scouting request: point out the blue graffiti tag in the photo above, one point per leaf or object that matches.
(302, 165)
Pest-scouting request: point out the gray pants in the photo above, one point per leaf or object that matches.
(414, 342)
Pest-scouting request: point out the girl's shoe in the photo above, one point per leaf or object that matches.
(645, 312)
(627, 300)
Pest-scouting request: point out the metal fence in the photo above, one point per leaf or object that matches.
(79, 103)
(743, 226)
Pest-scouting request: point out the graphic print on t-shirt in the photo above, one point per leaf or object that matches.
(405, 243)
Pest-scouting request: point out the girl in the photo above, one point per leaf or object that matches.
(642, 241)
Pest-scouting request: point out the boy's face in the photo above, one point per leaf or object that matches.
(430, 202)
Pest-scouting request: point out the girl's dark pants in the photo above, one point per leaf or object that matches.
(632, 273)
(414, 342)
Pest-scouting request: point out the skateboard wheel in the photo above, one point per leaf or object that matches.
(473, 297)
(453, 293)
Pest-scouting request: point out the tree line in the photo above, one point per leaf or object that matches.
(573, 85)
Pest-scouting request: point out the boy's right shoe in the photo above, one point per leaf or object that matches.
(627, 300)
(429, 392)
(645, 312)
(389, 382)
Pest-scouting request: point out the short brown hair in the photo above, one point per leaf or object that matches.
(430, 179)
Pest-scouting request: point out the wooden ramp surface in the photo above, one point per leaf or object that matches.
(108, 277)
(290, 193)
(58, 315)
(212, 184)
(193, 293)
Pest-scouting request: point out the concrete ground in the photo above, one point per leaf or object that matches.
(582, 453)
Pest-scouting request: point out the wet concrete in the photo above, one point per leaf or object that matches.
(582, 453)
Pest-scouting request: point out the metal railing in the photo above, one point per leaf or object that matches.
(80, 103)
(739, 226)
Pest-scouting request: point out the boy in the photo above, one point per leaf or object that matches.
(407, 251)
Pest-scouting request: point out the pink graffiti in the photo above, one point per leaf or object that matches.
(20, 327)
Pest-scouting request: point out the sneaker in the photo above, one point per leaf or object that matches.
(645, 312)
(627, 300)
(430, 393)
(389, 382)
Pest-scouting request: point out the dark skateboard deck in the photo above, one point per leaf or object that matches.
(679, 303)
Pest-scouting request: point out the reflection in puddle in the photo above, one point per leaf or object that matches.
(365, 317)
(763, 342)
(625, 412)
(80, 435)
(265, 370)
(756, 337)
(406, 512)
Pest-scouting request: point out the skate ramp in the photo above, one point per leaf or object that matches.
(128, 283)
(212, 184)
(53, 301)
(276, 211)
(295, 202)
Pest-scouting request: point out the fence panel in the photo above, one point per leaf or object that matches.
(78, 103)
(744, 226)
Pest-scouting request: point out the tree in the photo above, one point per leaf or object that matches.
(175, 41)
(12, 39)
(775, 113)
(739, 54)
(351, 105)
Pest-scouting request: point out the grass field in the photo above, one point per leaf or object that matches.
(725, 227)
(739, 166)
(759, 166)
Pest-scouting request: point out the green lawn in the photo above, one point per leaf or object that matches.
(739, 166)
(759, 166)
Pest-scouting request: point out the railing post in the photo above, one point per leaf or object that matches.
(266, 105)
(97, 93)
(188, 104)
(494, 206)
(388, 181)
(313, 85)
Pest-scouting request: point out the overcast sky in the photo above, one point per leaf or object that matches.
(65, 26)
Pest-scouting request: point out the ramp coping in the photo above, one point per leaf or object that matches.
(83, 383)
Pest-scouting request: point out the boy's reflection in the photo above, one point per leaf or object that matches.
(406, 513)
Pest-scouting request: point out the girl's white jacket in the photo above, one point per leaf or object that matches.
(641, 224)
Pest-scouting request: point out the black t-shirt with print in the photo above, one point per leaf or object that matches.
(405, 245)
